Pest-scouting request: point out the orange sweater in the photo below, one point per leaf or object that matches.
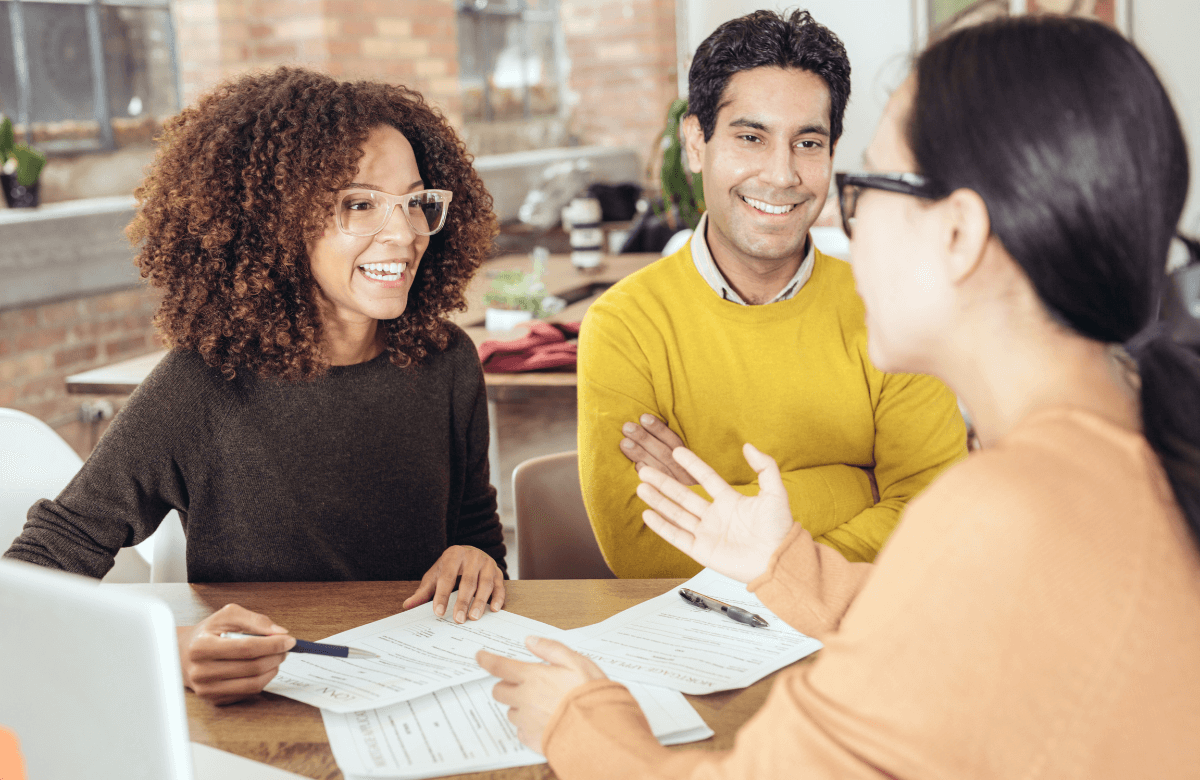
(1036, 615)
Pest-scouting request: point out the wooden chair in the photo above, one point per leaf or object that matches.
(554, 538)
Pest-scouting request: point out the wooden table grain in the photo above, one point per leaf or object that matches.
(290, 735)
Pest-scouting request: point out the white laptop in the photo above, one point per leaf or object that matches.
(91, 687)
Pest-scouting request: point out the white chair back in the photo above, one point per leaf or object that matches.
(168, 559)
(36, 463)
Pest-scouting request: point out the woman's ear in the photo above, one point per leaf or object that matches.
(968, 230)
(693, 143)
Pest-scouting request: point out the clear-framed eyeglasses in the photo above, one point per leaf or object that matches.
(365, 212)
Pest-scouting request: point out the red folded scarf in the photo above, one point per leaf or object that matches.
(546, 347)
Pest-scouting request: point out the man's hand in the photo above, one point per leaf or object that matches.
(533, 691)
(227, 670)
(481, 581)
(733, 534)
(650, 444)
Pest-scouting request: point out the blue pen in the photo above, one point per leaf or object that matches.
(340, 651)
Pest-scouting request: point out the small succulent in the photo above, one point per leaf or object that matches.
(16, 158)
(516, 290)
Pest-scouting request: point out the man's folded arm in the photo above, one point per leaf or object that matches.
(616, 387)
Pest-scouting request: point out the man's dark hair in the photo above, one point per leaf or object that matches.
(767, 39)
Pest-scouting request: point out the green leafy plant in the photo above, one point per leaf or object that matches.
(518, 291)
(28, 162)
(681, 190)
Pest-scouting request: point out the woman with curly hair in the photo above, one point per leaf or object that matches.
(316, 417)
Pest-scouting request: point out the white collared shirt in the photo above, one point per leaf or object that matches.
(707, 267)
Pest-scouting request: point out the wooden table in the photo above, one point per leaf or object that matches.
(290, 735)
(579, 287)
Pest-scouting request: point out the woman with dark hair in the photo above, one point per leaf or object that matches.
(316, 418)
(1037, 611)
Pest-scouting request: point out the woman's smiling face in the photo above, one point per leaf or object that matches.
(367, 278)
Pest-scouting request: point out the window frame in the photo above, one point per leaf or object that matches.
(105, 141)
(521, 11)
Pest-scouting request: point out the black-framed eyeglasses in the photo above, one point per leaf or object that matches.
(851, 185)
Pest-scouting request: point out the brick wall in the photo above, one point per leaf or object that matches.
(623, 70)
(410, 42)
(40, 346)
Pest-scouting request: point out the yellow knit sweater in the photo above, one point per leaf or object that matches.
(793, 378)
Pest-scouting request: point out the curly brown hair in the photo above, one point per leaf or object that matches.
(245, 179)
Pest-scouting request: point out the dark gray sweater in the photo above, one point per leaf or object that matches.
(367, 473)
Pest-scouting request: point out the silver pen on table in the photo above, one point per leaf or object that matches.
(729, 610)
(316, 648)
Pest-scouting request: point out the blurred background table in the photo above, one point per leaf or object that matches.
(290, 735)
(579, 287)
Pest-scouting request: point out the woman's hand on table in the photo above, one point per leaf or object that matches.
(223, 671)
(480, 581)
(534, 691)
(733, 534)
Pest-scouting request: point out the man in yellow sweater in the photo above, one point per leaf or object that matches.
(749, 333)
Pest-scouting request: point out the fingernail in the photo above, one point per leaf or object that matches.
(628, 429)
(647, 419)
(626, 443)
(476, 613)
(278, 629)
(439, 610)
(460, 617)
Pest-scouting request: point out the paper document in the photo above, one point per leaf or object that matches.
(213, 764)
(667, 641)
(418, 653)
(463, 729)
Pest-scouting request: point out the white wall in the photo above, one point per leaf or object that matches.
(1168, 32)
(879, 35)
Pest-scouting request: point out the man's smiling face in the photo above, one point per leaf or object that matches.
(767, 166)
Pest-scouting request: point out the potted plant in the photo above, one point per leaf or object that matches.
(20, 167)
(516, 296)
(683, 192)
(682, 201)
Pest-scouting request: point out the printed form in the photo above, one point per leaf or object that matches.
(418, 653)
(463, 729)
(666, 641)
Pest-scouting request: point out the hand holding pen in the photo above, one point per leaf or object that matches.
(222, 671)
(316, 648)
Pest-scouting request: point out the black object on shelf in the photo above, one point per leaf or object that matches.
(17, 196)
(653, 229)
(618, 202)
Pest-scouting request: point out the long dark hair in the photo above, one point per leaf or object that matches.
(767, 39)
(1065, 131)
